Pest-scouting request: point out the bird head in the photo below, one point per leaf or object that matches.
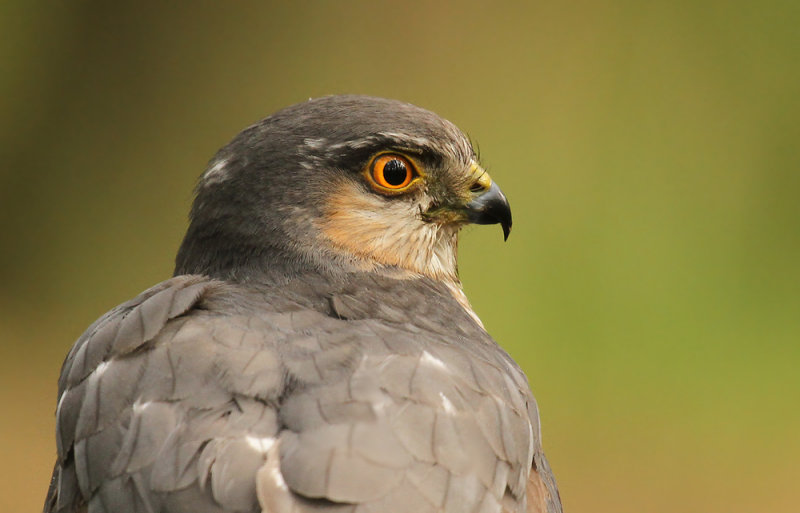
(340, 183)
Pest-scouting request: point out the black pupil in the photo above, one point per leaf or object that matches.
(394, 172)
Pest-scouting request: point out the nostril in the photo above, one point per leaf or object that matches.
(476, 187)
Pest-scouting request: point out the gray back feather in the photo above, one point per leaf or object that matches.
(368, 394)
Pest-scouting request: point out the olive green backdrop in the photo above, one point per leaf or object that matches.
(651, 284)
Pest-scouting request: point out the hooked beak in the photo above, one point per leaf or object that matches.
(489, 206)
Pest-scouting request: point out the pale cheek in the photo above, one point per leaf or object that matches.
(379, 232)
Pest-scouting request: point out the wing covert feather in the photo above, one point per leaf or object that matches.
(200, 396)
(142, 396)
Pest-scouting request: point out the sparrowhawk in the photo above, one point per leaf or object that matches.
(314, 350)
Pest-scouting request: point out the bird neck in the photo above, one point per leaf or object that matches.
(230, 259)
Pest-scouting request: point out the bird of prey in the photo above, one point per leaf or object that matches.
(314, 350)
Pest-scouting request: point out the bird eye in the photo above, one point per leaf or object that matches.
(392, 171)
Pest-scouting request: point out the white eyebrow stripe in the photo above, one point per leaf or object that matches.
(419, 141)
(315, 143)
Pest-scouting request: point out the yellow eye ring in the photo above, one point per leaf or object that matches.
(392, 172)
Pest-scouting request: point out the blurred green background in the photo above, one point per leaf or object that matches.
(651, 286)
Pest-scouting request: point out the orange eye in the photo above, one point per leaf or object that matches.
(392, 171)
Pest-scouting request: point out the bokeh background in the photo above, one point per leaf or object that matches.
(651, 285)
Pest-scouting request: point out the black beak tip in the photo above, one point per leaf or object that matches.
(491, 207)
